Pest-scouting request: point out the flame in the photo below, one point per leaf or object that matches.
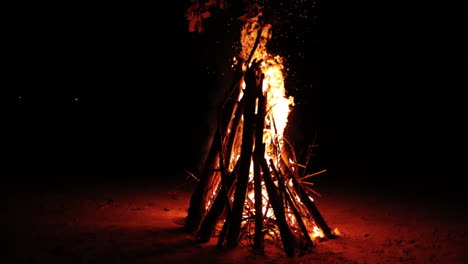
(278, 105)
(317, 232)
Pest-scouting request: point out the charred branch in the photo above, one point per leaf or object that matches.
(284, 189)
(221, 202)
(258, 153)
(197, 209)
(245, 157)
(287, 237)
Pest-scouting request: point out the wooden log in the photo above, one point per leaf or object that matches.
(287, 237)
(297, 214)
(221, 202)
(258, 153)
(310, 204)
(222, 168)
(222, 234)
(245, 158)
(234, 126)
(258, 235)
(197, 210)
(294, 207)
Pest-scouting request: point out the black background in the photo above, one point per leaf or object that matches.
(380, 89)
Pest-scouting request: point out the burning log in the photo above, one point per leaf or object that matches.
(258, 154)
(198, 200)
(250, 180)
(208, 226)
(244, 159)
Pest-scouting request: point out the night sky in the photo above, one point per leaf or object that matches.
(131, 89)
(17, 4)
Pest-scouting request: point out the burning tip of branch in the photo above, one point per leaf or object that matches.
(336, 232)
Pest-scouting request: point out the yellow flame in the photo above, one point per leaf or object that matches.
(317, 232)
(278, 105)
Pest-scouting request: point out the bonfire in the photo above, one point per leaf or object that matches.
(252, 187)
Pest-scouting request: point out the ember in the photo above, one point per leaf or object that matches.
(252, 186)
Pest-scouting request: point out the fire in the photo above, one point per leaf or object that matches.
(251, 175)
(279, 106)
(317, 232)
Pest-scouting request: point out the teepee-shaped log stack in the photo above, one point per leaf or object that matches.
(246, 190)
(251, 185)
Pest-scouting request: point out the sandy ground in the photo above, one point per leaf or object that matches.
(141, 223)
